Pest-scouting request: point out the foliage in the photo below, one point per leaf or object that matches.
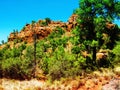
(29, 53)
(23, 29)
(76, 50)
(3, 42)
(45, 22)
(91, 34)
(62, 64)
(57, 32)
(33, 22)
(15, 31)
(116, 52)
(94, 16)
(12, 63)
(16, 68)
(1, 54)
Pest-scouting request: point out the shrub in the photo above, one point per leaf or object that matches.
(7, 54)
(23, 29)
(29, 53)
(75, 40)
(76, 50)
(43, 23)
(1, 54)
(47, 20)
(3, 42)
(62, 64)
(0, 69)
(56, 33)
(116, 52)
(17, 68)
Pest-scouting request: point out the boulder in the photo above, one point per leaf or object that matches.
(110, 25)
(117, 70)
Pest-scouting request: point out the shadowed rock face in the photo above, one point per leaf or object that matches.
(41, 31)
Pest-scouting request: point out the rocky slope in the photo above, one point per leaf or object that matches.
(42, 31)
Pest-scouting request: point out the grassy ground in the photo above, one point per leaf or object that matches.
(104, 79)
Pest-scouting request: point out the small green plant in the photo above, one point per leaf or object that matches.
(116, 52)
(76, 50)
(56, 33)
(23, 29)
(3, 42)
(1, 54)
(43, 23)
(47, 20)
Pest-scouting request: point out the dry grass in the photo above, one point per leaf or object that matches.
(93, 81)
(34, 84)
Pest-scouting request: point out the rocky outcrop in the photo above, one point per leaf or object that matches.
(102, 54)
(41, 31)
(110, 25)
(72, 22)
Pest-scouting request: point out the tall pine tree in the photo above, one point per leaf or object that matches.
(95, 24)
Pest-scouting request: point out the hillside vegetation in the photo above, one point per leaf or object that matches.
(52, 50)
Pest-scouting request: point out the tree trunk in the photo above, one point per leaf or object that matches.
(34, 69)
(94, 55)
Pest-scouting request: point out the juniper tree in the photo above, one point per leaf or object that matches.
(93, 18)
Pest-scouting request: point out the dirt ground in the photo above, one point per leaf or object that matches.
(105, 80)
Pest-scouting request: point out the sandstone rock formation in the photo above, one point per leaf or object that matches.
(41, 31)
(72, 22)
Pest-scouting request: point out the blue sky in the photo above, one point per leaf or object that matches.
(14, 14)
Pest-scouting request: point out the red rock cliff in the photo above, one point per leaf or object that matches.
(42, 31)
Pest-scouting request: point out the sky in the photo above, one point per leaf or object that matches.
(14, 14)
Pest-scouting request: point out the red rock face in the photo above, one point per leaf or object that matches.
(41, 31)
(110, 25)
(72, 22)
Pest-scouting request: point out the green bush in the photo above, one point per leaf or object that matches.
(7, 54)
(16, 65)
(29, 53)
(43, 23)
(1, 54)
(116, 52)
(75, 40)
(62, 64)
(76, 49)
(47, 20)
(56, 33)
(3, 42)
(17, 68)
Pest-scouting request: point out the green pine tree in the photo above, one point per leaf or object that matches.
(94, 18)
